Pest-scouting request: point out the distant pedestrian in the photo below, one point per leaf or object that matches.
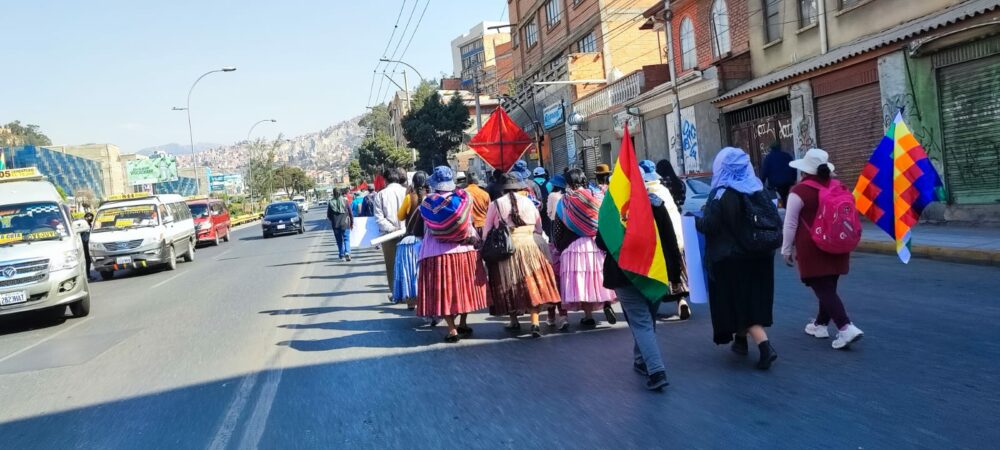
(495, 187)
(776, 173)
(85, 237)
(740, 277)
(480, 202)
(542, 187)
(452, 280)
(404, 288)
(558, 183)
(673, 183)
(524, 282)
(581, 263)
(602, 175)
(368, 204)
(386, 210)
(818, 269)
(341, 221)
(674, 243)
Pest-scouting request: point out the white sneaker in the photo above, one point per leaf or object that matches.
(847, 336)
(817, 331)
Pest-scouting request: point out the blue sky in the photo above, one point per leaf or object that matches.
(110, 71)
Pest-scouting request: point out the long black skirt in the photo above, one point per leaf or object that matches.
(741, 294)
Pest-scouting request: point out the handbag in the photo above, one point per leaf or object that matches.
(498, 245)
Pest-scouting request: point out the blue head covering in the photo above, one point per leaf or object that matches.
(648, 169)
(442, 179)
(558, 180)
(520, 170)
(732, 170)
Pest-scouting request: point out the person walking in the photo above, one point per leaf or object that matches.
(451, 279)
(368, 203)
(656, 185)
(776, 172)
(480, 202)
(341, 221)
(408, 250)
(740, 278)
(495, 187)
(602, 174)
(818, 269)
(386, 212)
(558, 183)
(581, 280)
(673, 183)
(539, 183)
(524, 282)
(85, 237)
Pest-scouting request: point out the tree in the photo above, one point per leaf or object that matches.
(18, 134)
(354, 172)
(376, 120)
(294, 180)
(436, 129)
(424, 90)
(378, 152)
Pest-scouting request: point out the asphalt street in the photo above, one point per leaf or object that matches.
(276, 344)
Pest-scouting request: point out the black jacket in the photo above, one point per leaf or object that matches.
(720, 219)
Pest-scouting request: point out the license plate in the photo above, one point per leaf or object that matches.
(281, 227)
(13, 298)
(123, 260)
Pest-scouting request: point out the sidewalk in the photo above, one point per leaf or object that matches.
(942, 242)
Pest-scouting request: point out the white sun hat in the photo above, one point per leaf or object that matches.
(811, 161)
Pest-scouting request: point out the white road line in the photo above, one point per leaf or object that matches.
(166, 281)
(262, 409)
(233, 412)
(44, 340)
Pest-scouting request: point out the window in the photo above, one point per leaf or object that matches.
(577, 2)
(588, 44)
(807, 13)
(845, 4)
(472, 55)
(720, 28)
(689, 56)
(553, 11)
(531, 34)
(772, 24)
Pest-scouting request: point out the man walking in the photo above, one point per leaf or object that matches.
(775, 172)
(386, 211)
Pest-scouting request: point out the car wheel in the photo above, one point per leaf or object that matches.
(81, 308)
(171, 258)
(107, 274)
(189, 256)
(226, 237)
(217, 240)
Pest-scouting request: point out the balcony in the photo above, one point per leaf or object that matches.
(622, 90)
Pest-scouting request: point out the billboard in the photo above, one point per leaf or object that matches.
(159, 168)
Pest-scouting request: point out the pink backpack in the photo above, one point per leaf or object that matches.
(837, 226)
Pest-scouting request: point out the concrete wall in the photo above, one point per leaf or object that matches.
(800, 99)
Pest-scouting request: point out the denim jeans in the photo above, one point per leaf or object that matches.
(343, 241)
(641, 317)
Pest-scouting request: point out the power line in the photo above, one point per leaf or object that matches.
(412, 35)
(402, 36)
(395, 26)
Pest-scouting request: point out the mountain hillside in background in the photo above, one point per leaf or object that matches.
(324, 155)
(176, 149)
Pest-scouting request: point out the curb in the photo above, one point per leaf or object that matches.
(949, 254)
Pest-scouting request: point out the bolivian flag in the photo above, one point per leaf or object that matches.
(627, 227)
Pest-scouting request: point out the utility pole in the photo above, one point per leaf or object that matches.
(479, 112)
(667, 16)
(409, 107)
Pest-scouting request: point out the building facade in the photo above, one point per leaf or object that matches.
(475, 57)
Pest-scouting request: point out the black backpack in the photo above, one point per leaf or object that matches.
(760, 229)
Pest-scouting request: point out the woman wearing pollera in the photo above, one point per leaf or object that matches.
(524, 282)
(558, 183)
(581, 263)
(408, 250)
(451, 279)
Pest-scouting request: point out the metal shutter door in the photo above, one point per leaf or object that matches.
(849, 127)
(559, 157)
(970, 113)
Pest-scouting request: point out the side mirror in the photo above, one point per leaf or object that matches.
(81, 226)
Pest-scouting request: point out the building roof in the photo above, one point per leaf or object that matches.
(898, 33)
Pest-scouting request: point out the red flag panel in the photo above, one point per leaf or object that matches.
(500, 142)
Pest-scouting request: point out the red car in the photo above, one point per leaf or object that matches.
(211, 220)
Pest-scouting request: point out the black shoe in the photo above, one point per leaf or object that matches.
(516, 326)
(767, 355)
(740, 345)
(451, 338)
(348, 258)
(657, 381)
(683, 309)
(464, 331)
(536, 331)
(565, 326)
(609, 314)
(640, 367)
(588, 322)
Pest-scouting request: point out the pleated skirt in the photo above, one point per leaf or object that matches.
(581, 274)
(406, 270)
(451, 284)
(524, 280)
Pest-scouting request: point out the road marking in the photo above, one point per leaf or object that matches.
(262, 409)
(44, 340)
(233, 412)
(166, 281)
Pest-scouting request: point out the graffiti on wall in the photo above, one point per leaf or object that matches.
(689, 139)
(976, 163)
(805, 135)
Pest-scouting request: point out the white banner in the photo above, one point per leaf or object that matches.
(692, 257)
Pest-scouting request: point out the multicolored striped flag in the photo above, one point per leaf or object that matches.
(896, 185)
(626, 226)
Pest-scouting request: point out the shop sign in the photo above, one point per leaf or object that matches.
(553, 115)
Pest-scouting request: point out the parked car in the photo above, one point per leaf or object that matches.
(141, 230)
(697, 193)
(282, 218)
(211, 220)
(302, 202)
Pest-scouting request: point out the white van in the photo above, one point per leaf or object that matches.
(302, 202)
(41, 254)
(141, 230)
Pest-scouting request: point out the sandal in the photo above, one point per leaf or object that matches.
(451, 338)
(465, 331)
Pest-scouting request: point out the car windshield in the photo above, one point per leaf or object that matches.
(199, 210)
(700, 185)
(281, 208)
(125, 217)
(29, 222)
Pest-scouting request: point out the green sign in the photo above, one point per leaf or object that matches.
(159, 168)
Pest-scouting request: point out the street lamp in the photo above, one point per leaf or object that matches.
(194, 157)
(253, 205)
(405, 64)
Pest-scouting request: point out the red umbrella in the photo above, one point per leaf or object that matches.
(501, 142)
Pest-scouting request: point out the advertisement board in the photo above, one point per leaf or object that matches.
(159, 168)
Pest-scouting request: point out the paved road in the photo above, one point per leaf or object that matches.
(274, 344)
